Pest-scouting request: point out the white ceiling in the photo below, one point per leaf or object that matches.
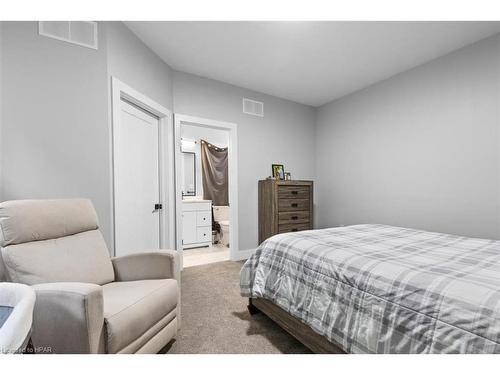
(307, 62)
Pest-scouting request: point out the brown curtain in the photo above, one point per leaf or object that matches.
(214, 173)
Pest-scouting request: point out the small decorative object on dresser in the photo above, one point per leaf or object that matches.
(288, 176)
(284, 206)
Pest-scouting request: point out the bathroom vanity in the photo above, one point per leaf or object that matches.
(196, 223)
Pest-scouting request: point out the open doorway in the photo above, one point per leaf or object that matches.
(206, 190)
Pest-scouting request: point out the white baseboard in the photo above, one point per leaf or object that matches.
(243, 254)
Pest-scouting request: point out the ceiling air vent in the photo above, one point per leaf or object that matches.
(82, 33)
(252, 107)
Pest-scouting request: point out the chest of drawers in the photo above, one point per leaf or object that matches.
(284, 206)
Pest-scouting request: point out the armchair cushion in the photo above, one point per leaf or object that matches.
(34, 220)
(82, 257)
(68, 318)
(132, 308)
(155, 264)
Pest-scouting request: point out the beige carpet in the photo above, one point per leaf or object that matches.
(215, 318)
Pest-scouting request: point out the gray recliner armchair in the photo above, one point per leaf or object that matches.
(86, 301)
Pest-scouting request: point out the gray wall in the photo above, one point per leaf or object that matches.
(284, 135)
(56, 118)
(421, 149)
(136, 65)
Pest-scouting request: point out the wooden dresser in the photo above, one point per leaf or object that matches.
(284, 206)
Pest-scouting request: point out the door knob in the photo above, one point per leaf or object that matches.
(158, 206)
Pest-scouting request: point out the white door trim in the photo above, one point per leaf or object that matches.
(232, 170)
(119, 91)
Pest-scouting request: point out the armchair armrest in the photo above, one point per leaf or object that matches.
(68, 318)
(157, 264)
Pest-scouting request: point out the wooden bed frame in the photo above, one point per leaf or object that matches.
(296, 328)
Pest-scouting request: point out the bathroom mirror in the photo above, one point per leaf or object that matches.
(189, 174)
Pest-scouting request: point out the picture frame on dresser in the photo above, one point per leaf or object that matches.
(278, 171)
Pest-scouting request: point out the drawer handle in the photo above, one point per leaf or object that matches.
(295, 192)
(295, 217)
(294, 230)
(295, 205)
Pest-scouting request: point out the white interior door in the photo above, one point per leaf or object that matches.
(137, 181)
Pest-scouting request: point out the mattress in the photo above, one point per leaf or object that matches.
(382, 289)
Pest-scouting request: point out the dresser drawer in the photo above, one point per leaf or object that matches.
(293, 205)
(286, 228)
(203, 218)
(292, 192)
(293, 217)
(204, 234)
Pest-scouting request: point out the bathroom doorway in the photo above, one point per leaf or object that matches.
(206, 190)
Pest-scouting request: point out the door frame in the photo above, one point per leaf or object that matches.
(119, 91)
(232, 129)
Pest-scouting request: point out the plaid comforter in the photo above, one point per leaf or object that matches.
(383, 289)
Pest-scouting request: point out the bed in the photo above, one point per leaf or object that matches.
(379, 289)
